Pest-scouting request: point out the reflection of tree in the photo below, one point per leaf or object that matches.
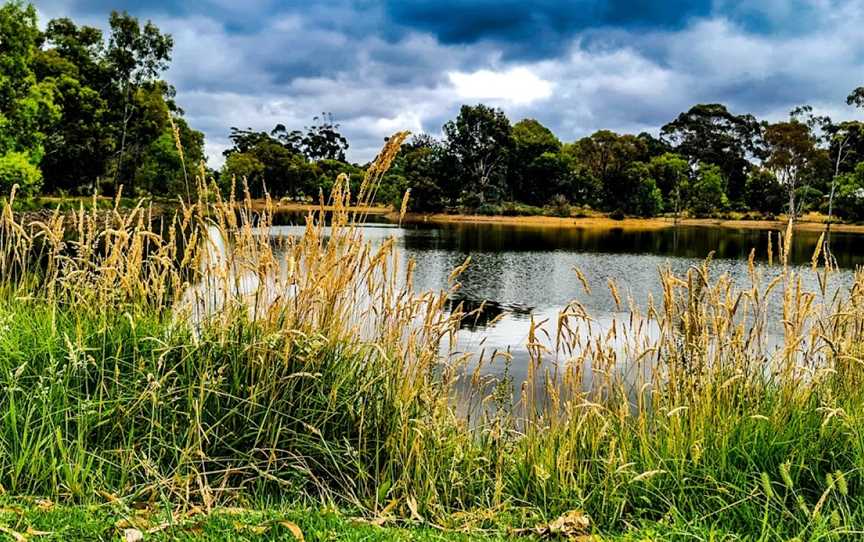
(480, 314)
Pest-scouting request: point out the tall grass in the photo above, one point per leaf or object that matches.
(188, 360)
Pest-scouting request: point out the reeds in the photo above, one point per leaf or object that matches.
(188, 360)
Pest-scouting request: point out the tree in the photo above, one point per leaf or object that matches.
(291, 140)
(241, 167)
(286, 171)
(245, 140)
(850, 194)
(162, 170)
(671, 173)
(78, 147)
(424, 166)
(607, 155)
(709, 133)
(763, 192)
(27, 106)
(653, 146)
(641, 196)
(322, 140)
(791, 149)
(136, 56)
(707, 193)
(480, 141)
(856, 97)
(535, 167)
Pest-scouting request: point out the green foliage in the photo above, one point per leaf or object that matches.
(537, 169)
(27, 108)
(17, 169)
(640, 194)
(763, 193)
(241, 167)
(480, 142)
(162, 171)
(791, 152)
(92, 112)
(81, 143)
(290, 163)
(87, 111)
(849, 199)
(709, 133)
(532, 138)
(707, 193)
(323, 140)
(606, 157)
(424, 166)
(671, 173)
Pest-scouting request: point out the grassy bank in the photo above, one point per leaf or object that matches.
(203, 367)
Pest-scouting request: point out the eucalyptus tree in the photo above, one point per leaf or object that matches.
(480, 142)
(136, 57)
(710, 133)
(791, 148)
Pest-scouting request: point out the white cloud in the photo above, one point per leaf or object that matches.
(518, 86)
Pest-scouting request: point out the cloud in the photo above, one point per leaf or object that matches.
(577, 66)
(538, 28)
(516, 86)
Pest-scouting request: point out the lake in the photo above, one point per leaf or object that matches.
(528, 272)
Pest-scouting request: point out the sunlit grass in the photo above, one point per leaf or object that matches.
(188, 362)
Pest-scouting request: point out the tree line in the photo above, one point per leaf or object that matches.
(706, 161)
(82, 111)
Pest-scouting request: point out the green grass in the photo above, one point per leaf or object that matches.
(109, 521)
(46, 521)
(329, 389)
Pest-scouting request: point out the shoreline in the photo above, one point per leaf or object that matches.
(632, 224)
(809, 223)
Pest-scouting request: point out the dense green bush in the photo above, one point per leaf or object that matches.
(849, 197)
(16, 169)
(707, 193)
(763, 193)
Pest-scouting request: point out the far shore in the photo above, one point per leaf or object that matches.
(812, 222)
(809, 223)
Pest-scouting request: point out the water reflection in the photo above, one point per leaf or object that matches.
(518, 273)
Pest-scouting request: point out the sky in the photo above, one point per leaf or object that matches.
(577, 66)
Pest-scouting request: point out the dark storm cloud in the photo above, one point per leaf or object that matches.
(537, 28)
(577, 66)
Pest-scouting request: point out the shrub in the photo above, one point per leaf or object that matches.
(763, 193)
(708, 193)
(520, 209)
(559, 206)
(15, 168)
(488, 209)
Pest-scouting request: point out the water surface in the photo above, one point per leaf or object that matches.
(523, 272)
